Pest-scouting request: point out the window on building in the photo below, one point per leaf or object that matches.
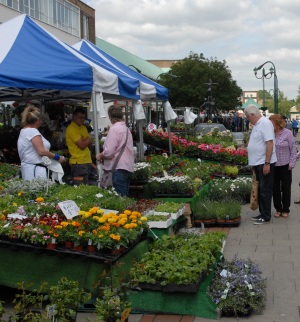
(57, 13)
(85, 27)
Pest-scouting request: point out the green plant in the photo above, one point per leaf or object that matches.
(193, 255)
(112, 304)
(237, 189)
(66, 298)
(231, 171)
(29, 304)
(240, 287)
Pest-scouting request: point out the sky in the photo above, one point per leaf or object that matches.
(244, 33)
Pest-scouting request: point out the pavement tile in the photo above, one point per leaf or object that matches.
(167, 318)
(148, 318)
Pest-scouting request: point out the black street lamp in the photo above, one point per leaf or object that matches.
(272, 72)
(264, 76)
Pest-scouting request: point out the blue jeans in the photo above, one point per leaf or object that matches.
(121, 180)
(265, 190)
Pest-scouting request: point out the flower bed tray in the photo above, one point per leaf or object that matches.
(150, 286)
(174, 215)
(173, 195)
(160, 224)
(184, 288)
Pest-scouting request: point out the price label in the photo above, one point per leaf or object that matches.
(69, 208)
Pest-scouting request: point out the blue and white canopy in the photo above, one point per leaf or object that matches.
(147, 86)
(35, 64)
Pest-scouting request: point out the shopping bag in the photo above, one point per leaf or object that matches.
(106, 179)
(254, 193)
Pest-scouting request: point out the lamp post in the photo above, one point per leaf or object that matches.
(263, 76)
(272, 72)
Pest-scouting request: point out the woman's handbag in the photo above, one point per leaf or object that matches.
(254, 193)
(106, 178)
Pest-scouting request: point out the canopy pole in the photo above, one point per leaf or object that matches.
(95, 122)
(141, 143)
(169, 135)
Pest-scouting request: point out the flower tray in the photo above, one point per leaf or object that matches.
(150, 286)
(174, 216)
(206, 222)
(160, 224)
(184, 288)
(229, 223)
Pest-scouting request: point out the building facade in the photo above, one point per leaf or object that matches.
(69, 20)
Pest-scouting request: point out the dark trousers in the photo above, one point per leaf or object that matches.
(85, 173)
(295, 131)
(282, 188)
(265, 190)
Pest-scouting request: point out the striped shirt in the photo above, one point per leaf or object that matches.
(286, 150)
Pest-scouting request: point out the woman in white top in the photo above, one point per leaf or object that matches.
(32, 146)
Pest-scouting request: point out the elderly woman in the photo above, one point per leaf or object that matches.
(32, 146)
(286, 152)
(117, 137)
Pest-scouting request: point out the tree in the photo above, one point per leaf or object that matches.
(298, 100)
(284, 105)
(189, 89)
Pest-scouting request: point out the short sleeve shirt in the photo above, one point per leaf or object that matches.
(262, 132)
(26, 150)
(73, 135)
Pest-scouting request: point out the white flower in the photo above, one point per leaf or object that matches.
(99, 195)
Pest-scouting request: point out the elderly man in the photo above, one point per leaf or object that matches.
(262, 158)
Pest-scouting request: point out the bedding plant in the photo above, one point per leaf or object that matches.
(238, 287)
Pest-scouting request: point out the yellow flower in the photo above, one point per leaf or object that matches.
(143, 218)
(100, 211)
(127, 212)
(20, 193)
(14, 204)
(39, 199)
(64, 223)
(81, 212)
(81, 232)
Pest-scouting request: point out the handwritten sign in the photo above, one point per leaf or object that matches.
(69, 208)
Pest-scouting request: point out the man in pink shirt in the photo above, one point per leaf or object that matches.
(118, 136)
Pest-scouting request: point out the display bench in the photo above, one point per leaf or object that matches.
(33, 265)
(157, 302)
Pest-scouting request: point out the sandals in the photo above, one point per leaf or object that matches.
(277, 215)
(285, 215)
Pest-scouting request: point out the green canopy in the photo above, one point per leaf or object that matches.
(250, 101)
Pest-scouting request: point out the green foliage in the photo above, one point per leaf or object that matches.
(193, 72)
(193, 254)
(111, 305)
(8, 171)
(29, 304)
(67, 296)
(237, 189)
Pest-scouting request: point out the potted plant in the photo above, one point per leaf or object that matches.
(65, 299)
(238, 288)
(112, 305)
(28, 304)
(237, 189)
(203, 213)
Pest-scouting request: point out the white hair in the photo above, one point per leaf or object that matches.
(252, 109)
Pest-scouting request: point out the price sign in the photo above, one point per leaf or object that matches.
(69, 208)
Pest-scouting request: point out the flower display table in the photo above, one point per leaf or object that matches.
(33, 265)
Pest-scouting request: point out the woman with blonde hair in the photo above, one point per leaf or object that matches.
(286, 152)
(32, 146)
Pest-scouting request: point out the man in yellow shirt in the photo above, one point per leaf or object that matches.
(79, 144)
